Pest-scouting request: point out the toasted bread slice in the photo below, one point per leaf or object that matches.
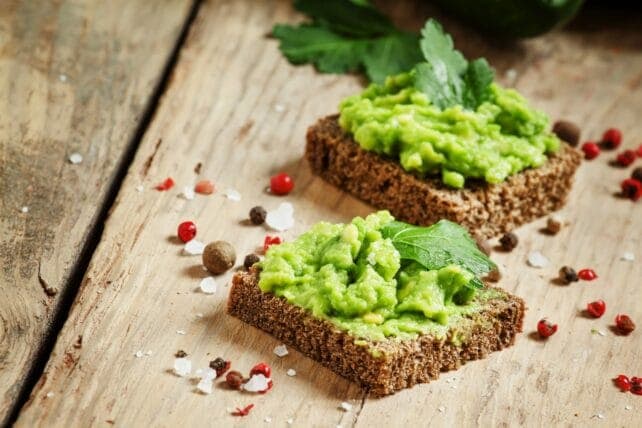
(381, 367)
(486, 210)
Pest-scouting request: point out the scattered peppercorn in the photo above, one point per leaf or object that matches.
(269, 241)
(596, 308)
(591, 150)
(244, 411)
(261, 368)
(624, 324)
(220, 366)
(545, 328)
(636, 174)
(587, 274)
(611, 139)
(257, 215)
(553, 225)
(631, 189)
(180, 354)
(219, 256)
(567, 275)
(186, 231)
(494, 275)
(281, 184)
(167, 184)
(623, 382)
(626, 158)
(234, 379)
(508, 241)
(250, 260)
(567, 131)
(204, 187)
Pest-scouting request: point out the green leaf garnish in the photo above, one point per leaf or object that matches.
(439, 245)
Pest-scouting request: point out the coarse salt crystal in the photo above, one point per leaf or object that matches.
(345, 406)
(599, 416)
(181, 332)
(199, 315)
(279, 107)
(205, 386)
(537, 260)
(441, 409)
(149, 353)
(267, 419)
(75, 158)
(182, 366)
(194, 247)
(62, 78)
(627, 256)
(291, 372)
(138, 354)
(140, 188)
(49, 394)
(290, 421)
(209, 373)
(25, 209)
(257, 383)
(282, 218)
(188, 193)
(208, 285)
(232, 195)
(628, 407)
(281, 351)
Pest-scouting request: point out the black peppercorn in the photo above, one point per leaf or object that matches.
(568, 275)
(180, 354)
(250, 260)
(567, 131)
(508, 241)
(257, 215)
(220, 366)
(637, 174)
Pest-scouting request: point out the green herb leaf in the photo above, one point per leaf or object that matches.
(439, 245)
(348, 36)
(446, 77)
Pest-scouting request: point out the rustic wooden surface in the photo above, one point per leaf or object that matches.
(75, 76)
(241, 110)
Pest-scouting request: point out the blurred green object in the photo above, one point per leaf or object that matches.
(513, 18)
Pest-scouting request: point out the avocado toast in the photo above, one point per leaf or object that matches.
(382, 303)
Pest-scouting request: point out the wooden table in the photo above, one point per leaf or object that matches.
(94, 287)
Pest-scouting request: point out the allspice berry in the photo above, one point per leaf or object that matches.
(250, 260)
(553, 225)
(257, 215)
(219, 256)
(567, 131)
(508, 241)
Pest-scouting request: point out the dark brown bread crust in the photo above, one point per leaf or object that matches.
(486, 210)
(402, 364)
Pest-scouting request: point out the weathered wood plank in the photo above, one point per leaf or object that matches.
(238, 108)
(75, 76)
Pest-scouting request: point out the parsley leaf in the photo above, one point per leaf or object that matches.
(446, 77)
(347, 36)
(439, 245)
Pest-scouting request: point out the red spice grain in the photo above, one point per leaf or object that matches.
(261, 368)
(612, 138)
(545, 328)
(243, 411)
(269, 241)
(591, 150)
(638, 151)
(596, 308)
(167, 184)
(281, 184)
(204, 187)
(624, 324)
(631, 188)
(186, 231)
(623, 382)
(587, 274)
(626, 158)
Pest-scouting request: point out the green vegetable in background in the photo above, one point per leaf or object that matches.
(513, 18)
(347, 36)
(442, 244)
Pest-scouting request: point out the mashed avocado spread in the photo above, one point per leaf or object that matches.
(501, 137)
(352, 276)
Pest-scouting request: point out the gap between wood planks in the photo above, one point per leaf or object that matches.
(68, 293)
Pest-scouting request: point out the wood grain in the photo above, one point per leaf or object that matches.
(238, 108)
(75, 76)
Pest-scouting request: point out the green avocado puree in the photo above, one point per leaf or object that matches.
(352, 276)
(503, 136)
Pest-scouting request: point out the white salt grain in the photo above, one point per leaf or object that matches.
(75, 158)
(281, 351)
(188, 193)
(138, 354)
(345, 406)
(257, 383)
(279, 107)
(140, 188)
(291, 372)
(628, 256)
(49, 394)
(267, 419)
(205, 386)
(194, 248)
(232, 195)
(441, 409)
(208, 285)
(181, 332)
(537, 260)
(199, 315)
(628, 407)
(282, 218)
(290, 421)
(149, 353)
(182, 366)
(25, 209)
(62, 78)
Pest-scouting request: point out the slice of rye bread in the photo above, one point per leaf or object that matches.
(400, 363)
(486, 210)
